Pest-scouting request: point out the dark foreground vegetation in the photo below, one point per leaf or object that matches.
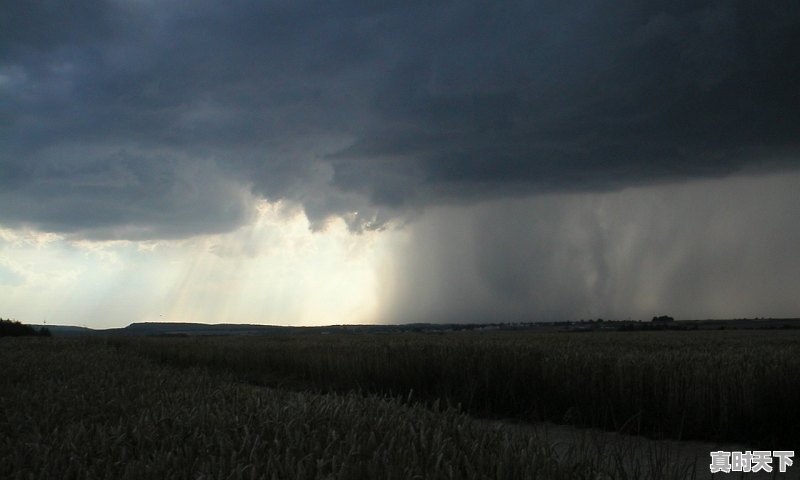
(87, 408)
(739, 386)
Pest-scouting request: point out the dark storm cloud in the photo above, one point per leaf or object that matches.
(109, 107)
(119, 194)
(584, 96)
(41, 26)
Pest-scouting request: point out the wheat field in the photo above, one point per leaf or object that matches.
(386, 406)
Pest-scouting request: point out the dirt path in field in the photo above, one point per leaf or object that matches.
(637, 452)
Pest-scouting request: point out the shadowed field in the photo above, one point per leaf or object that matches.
(707, 385)
(82, 409)
(384, 406)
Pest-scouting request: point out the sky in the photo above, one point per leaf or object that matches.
(309, 163)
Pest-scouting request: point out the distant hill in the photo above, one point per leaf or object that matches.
(219, 329)
(68, 330)
(167, 329)
(174, 328)
(204, 329)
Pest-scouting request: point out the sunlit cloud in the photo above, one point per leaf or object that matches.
(272, 271)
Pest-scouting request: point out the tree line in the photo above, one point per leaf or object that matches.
(13, 328)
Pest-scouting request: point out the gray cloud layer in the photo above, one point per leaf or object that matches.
(167, 118)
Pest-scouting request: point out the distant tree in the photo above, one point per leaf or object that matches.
(663, 319)
(12, 328)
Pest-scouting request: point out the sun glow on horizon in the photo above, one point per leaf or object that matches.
(274, 270)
